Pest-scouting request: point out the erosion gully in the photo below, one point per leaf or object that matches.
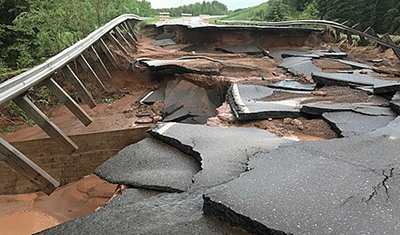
(189, 86)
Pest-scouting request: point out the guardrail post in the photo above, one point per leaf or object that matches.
(69, 73)
(27, 168)
(131, 29)
(389, 40)
(116, 43)
(349, 37)
(129, 36)
(363, 41)
(132, 24)
(44, 122)
(120, 36)
(371, 32)
(108, 53)
(68, 101)
(96, 57)
(85, 65)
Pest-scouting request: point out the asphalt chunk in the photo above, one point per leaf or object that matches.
(247, 103)
(223, 152)
(300, 65)
(347, 124)
(356, 80)
(293, 85)
(150, 164)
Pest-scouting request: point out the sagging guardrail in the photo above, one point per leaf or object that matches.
(120, 32)
(368, 33)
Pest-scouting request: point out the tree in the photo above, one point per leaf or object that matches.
(311, 11)
(277, 11)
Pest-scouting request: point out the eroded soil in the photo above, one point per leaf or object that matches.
(85, 196)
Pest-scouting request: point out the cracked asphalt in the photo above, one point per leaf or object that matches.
(198, 179)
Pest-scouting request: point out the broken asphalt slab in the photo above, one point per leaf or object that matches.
(340, 186)
(292, 85)
(150, 164)
(159, 214)
(246, 103)
(249, 49)
(353, 64)
(166, 36)
(395, 103)
(300, 65)
(280, 54)
(356, 80)
(165, 42)
(363, 108)
(185, 101)
(219, 164)
(151, 97)
(349, 123)
(180, 66)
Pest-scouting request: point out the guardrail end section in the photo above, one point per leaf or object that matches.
(27, 168)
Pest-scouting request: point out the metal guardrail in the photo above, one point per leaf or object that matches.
(313, 22)
(18, 85)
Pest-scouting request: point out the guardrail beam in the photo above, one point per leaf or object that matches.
(27, 168)
(102, 66)
(117, 44)
(69, 73)
(68, 101)
(86, 66)
(108, 53)
(44, 122)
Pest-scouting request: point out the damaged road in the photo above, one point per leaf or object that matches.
(198, 172)
(337, 186)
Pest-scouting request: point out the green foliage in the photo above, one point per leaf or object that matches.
(16, 111)
(277, 11)
(310, 12)
(382, 15)
(3, 67)
(211, 8)
(108, 101)
(33, 30)
(7, 131)
(42, 95)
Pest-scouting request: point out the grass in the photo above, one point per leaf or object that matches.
(247, 13)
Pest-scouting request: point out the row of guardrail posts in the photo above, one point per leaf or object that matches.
(122, 37)
(363, 41)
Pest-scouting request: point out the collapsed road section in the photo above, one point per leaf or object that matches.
(226, 107)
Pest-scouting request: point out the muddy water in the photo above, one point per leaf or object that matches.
(26, 223)
(34, 212)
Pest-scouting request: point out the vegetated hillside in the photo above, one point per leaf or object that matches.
(210, 8)
(247, 13)
(382, 15)
(33, 30)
